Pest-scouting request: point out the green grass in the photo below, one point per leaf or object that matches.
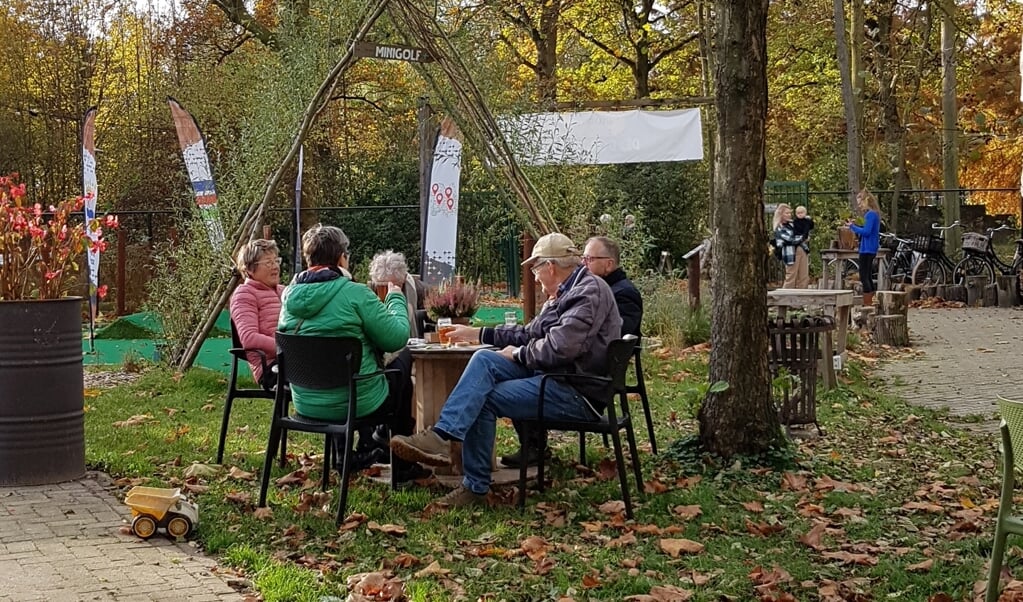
(887, 453)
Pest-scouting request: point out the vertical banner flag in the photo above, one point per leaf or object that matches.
(298, 213)
(89, 191)
(193, 149)
(442, 203)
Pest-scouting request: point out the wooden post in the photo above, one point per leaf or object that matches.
(1007, 289)
(975, 290)
(528, 282)
(991, 295)
(693, 277)
(891, 330)
(891, 303)
(122, 254)
(427, 139)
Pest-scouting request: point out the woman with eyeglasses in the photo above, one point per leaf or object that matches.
(256, 305)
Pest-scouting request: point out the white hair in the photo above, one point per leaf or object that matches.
(388, 266)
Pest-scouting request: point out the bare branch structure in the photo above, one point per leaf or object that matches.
(471, 111)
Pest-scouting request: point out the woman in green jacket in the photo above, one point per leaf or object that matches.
(322, 301)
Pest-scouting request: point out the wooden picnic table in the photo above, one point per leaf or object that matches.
(835, 303)
(832, 260)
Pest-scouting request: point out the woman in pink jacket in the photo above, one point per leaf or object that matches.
(256, 305)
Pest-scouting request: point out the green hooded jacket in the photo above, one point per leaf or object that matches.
(339, 307)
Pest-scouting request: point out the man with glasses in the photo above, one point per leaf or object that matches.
(571, 334)
(603, 257)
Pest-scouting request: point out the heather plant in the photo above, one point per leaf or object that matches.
(41, 248)
(455, 299)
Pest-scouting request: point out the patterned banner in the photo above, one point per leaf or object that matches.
(442, 212)
(193, 149)
(90, 191)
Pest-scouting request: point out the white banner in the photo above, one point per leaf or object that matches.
(442, 212)
(90, 190)
(605, 137)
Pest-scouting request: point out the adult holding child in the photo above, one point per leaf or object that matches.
(256, 305)
(794, 248)
(870, 241)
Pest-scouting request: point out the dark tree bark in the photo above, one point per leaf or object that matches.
(741, 419)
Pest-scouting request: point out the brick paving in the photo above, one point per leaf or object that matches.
(970, 356)
(63, 542)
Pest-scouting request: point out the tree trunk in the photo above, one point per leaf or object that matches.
(741, 419)
(891, 330)
(949, 123)
(853, 151)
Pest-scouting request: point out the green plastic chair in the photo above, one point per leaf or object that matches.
(1012, 436)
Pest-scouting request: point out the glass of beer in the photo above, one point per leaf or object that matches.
(511, 318)
(444, 326)
(381, 290)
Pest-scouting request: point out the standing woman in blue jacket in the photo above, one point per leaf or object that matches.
(870, 240)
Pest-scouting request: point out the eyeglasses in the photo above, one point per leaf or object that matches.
(270, 262)
(589, 258)
(536, 268)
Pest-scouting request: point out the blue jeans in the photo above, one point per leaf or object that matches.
(493, 387)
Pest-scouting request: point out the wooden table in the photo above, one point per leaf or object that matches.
(437, 370)
(836, 303)
(836, 257)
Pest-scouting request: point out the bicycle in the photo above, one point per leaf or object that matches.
(934, 268)
(981, 259)
(902, 259)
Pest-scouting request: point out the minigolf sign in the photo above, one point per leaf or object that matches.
(393, 52)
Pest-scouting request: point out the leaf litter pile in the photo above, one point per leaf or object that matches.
(890, 504)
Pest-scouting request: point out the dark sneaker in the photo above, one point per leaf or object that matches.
(406, 472)
(533, 457)
(425, 446)
(463, 497)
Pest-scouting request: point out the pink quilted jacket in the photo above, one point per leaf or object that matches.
(255, 308)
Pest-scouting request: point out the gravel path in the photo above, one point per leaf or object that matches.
(970, 356)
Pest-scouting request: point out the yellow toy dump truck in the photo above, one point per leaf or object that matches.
(154, 507)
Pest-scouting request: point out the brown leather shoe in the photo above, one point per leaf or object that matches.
(425, 446)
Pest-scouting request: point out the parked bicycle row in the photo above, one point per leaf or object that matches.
(923, 261)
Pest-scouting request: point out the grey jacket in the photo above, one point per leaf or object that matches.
(571, 333)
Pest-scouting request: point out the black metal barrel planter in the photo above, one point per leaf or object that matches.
(42, 428)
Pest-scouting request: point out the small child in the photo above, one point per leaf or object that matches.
(802, 224)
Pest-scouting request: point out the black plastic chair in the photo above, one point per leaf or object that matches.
(640, 389)
(321, 363)
(610, 423)
(239, 356)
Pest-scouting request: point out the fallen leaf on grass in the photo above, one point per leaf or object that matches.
(687, 512)
(433, 568)
(133, 421)
(753, 506)
(612, 507)
(240, 475)
(264, 513)
(625, 540)
(291, 478)
(389, 529)
(763, 529)
(793, 482)
(591, 581)
(851, 558)
(812, 539)
(674, 547)
(662, 593)
(921, 567)
(925, 506)
(607, 469)
(239, 497)
(198, 470)
(534, 547)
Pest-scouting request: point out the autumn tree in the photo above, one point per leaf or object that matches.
(742, 418)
